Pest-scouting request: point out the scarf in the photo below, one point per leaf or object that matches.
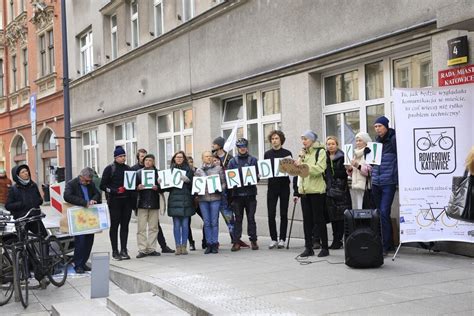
(359, 152)
(24, 182)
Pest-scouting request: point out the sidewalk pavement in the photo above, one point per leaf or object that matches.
(273, 282)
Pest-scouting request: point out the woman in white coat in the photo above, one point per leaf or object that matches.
(359, 169)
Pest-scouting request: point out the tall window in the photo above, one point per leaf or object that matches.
(2, 93)
(42, 45)
(25, 67)
(134, 20)
(175, 132)
(113, 36)
(22, 6)
(126, 136)
(87, 61)
(49, 155)
(12, 11)
(14, 70)
(20, 151)
(50, 51)
(90, 149)
(256, 114)
(188, 10)
(356, 97)
(158, 12)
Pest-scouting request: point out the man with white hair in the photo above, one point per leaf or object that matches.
(81, 191)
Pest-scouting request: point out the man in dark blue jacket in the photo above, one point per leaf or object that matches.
(385, 178)
(244, 197)
(81, 191)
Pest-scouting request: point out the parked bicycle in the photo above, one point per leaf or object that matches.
(427, 217)
(444, 142)
(28, 252)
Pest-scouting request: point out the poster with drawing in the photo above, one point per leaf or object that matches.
(435, 131)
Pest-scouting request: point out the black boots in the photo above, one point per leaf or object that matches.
(323, 253)
(307, 252)
(336, 244)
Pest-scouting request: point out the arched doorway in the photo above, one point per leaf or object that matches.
(18, 151)
(49, 156)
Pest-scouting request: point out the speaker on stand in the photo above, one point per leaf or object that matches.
(363, 238)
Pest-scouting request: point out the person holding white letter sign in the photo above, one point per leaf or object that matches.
(208, 184)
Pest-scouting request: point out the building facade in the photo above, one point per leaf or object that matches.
(31, 66)
(169, 75)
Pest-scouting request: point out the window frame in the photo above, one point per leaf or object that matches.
(124, 140)
(2, 76)
(86, 52)
(134, 18)
(362, 104)
(51, 60)
(261, 120)
(14, 73)
(162, 24)
(24, 54)
(192, 5)
(90, 148)
(182, 133)
(113, 37)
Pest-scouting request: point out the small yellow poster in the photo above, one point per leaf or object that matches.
(88, 220)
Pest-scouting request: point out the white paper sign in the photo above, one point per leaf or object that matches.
(249, 175)
(375, 155)
(199, 185)
(129, 180)
(176, 177)
(265, 169)
(232, 178)
(348, 154)
(148, 178)
(278, 173)
(166, 179)
(214, 183)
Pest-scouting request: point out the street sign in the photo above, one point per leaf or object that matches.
(33, 118)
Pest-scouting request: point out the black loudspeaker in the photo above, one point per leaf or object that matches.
(362, 239)
(60, 174)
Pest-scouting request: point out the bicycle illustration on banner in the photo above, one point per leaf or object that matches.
(444, 142)
(434, 216)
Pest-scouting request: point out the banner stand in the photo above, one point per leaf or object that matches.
(396, 251)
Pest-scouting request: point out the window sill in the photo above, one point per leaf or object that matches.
(46, 83)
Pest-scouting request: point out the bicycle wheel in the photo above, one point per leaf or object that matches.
(21, 276)
(445, 142)
(448, 221)
(58, 262)
(423, 144)
(6, 277)
(423, 218)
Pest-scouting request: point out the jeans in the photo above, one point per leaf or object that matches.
(120, 214)
(249, 203)
(82, 249)
(313, 216)
(383, 197)
(180, 230)
(210, 216)
(275, 192)
(227, 214)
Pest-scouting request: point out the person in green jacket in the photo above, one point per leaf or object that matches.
(181, 203)
(312, 190)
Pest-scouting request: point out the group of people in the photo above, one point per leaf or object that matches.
(324, 194)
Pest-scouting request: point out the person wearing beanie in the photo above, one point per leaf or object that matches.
(141, 153)
(218, 149)
(312, 191)
(119, 201)
(244, 198)
(148, 210)
(359, 169)
(385, 178)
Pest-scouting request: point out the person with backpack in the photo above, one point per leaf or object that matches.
(312, 191)
(338, 196)
(244, 198)
(119, 201)
(141, 153)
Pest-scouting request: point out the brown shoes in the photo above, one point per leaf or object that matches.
(235, 247)
(254, 245)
